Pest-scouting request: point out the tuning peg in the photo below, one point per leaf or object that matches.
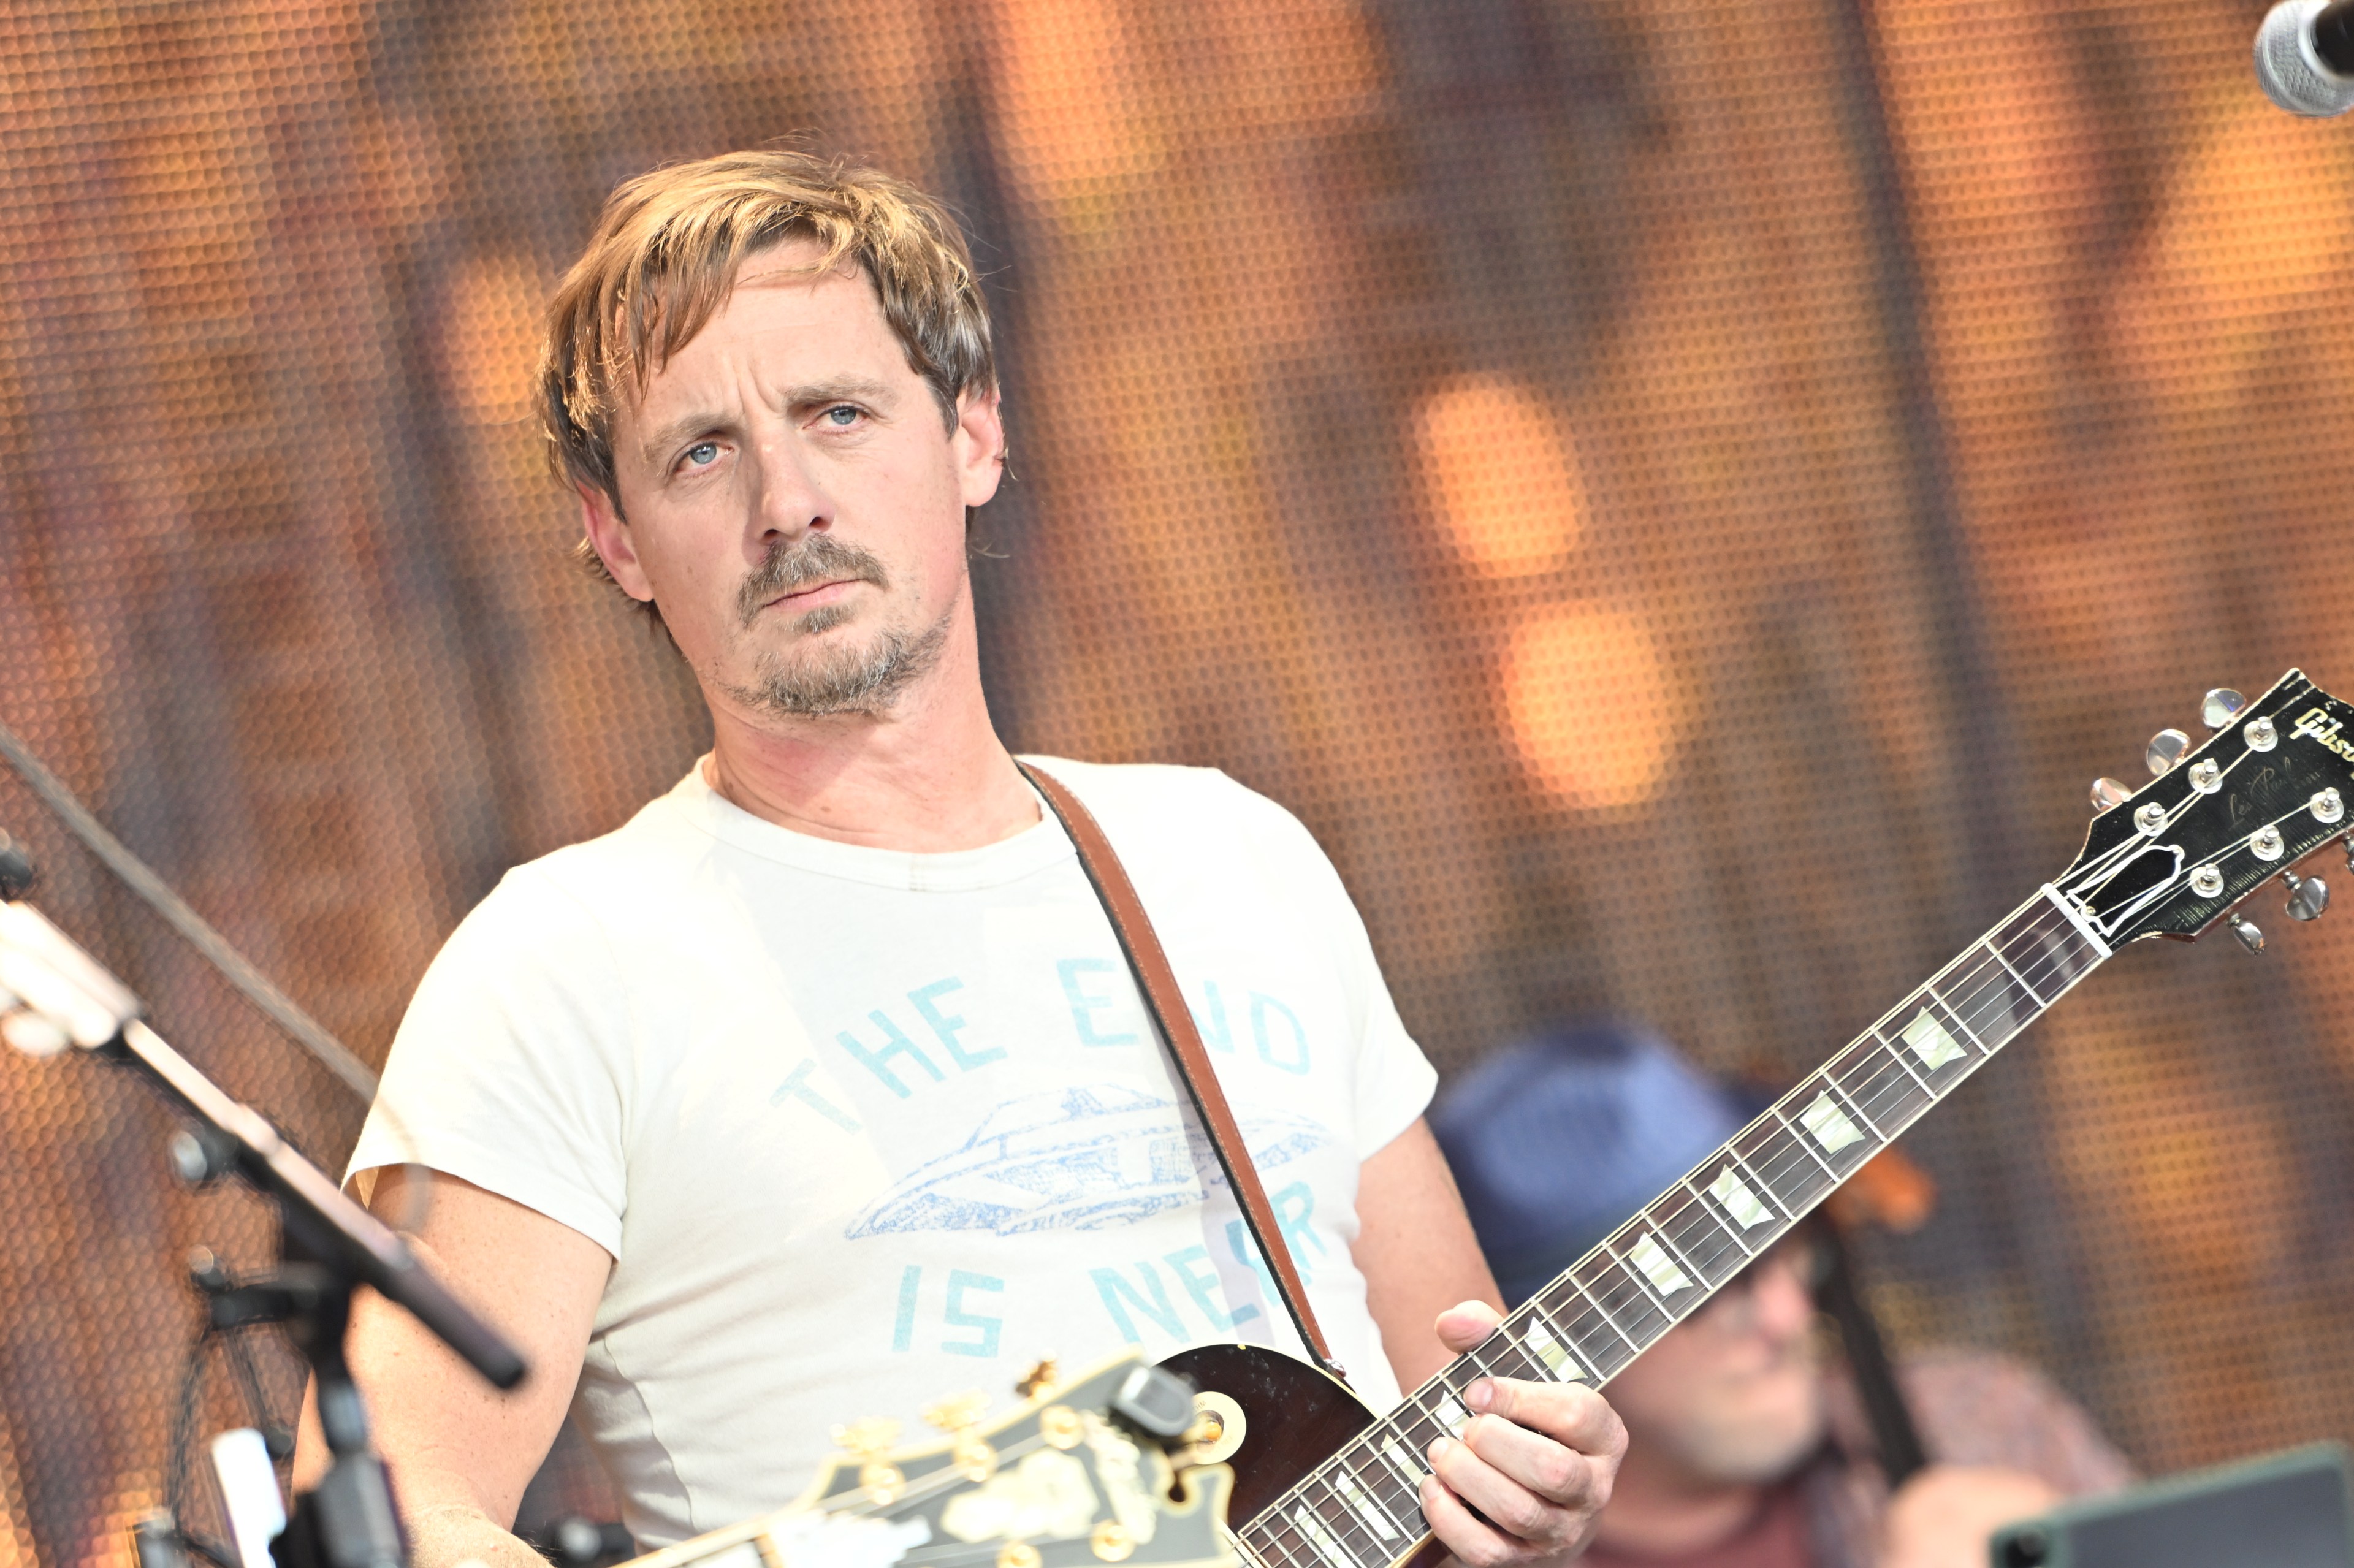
(2166, 750)
(2308, 896)
(2108, 792)
(2220, 706)
(2245, 929)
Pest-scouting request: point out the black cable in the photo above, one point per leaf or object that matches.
(1893, 1430)
(209, 1277)
(141, 878)
(175, 1472)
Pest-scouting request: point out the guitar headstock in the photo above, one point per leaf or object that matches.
(1078, 1475)
(2271, 785)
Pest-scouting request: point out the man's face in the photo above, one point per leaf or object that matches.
(1732, 1395)
(793, 501)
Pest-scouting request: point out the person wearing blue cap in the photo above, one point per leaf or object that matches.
(1746, 1448)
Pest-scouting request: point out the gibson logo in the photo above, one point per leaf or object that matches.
(2316, 723)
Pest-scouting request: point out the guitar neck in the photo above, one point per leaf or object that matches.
(1360, 1509)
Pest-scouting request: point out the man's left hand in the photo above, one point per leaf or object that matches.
(1536, 1461)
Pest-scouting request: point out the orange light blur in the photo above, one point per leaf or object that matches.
(1593, 709)
(1499, 474)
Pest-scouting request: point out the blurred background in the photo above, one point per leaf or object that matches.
(1681, 495)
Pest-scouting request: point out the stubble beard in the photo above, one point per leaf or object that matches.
(1731, 1446)
(852, 678)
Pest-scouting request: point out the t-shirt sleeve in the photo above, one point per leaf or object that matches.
(508, 1069)
(1393, 1081)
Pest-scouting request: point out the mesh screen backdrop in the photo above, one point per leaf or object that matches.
(1681, 495)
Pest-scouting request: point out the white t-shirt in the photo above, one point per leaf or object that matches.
(863, 1128)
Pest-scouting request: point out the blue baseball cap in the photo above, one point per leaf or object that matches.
(1558, 1139)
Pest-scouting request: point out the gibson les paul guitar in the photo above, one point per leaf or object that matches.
(1104, 1470)
(1321, 1482)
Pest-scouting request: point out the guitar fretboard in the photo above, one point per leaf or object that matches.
(1361, 1508)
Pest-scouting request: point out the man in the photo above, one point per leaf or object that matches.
(819, 1089)
(1744, 1450)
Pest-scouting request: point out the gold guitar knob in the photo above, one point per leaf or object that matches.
(1060, 1425)
(975, 1460)
(1111, 1541)
(867, 1438)
(956, 1414)
(868, 1441)
(1219, 1428)
(1017, 1554)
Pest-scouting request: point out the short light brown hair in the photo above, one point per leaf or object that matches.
(663, 261)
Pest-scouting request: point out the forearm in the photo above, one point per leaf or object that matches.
(1417, 1251)
(442, 1535)
(446, 1521)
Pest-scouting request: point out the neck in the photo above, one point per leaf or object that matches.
(1656, 1269)
(1658, 1509)
(926, 776)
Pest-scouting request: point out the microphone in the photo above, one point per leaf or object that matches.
(2304, 56)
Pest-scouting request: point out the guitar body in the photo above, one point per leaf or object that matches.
(1294, 1417)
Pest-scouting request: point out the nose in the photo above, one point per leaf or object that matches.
(788, 498)
(1785, 1308)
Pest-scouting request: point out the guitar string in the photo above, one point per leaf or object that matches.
(1979, 956)
(1872, 1077)
(2043, 924)
(1868, 1095)
(1981, 959)
(856, 1502)
(1771, 1129)
(1888, 1082)
(2192, 798)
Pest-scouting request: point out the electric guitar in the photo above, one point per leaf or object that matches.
(1100, 1469)
(1324, 1483)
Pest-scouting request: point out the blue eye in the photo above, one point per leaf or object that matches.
(842, 414)
(703, 453)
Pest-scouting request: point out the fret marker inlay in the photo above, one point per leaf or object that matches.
(1657, 1265)
(1830, 1123)
(1548, 1350)
(1739, 1202)
(1639, 1282)
(1930, 1042)
(1321, 1539)
(1375, 1520)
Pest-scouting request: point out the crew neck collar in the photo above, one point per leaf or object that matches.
(1042, 844)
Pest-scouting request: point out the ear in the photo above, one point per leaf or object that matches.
(608, 535)
(979, 440)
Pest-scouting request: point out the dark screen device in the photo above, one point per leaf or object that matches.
(2282, 1510)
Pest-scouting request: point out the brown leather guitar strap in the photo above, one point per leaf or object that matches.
(1158, 983)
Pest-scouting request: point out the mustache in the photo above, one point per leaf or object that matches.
(817, 559)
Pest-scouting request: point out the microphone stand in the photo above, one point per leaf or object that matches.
(329, 1244)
